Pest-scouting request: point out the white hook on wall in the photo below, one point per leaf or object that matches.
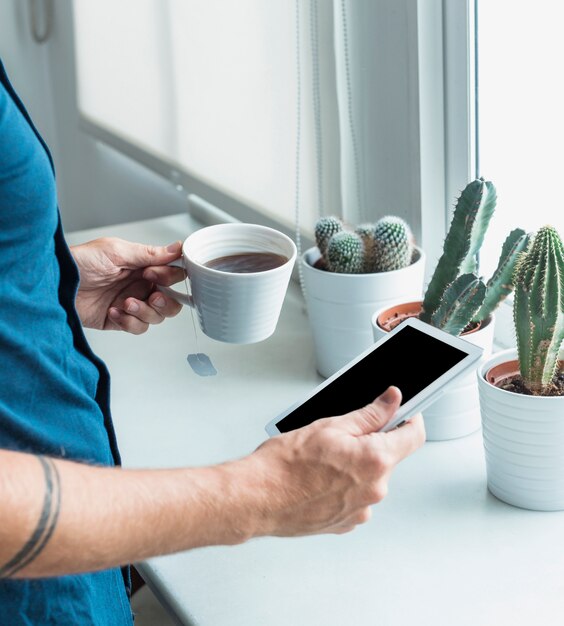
(41, 19)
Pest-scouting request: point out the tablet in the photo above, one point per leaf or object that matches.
(416, 357)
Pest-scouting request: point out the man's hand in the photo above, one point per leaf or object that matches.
(323, 478)
(118, 281)
(59, 517)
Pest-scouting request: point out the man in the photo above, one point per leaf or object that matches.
(69, 518)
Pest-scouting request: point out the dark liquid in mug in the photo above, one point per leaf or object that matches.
(247, 262)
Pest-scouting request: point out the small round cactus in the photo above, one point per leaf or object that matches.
(384, 246)
(393, 244)
(325, 228)
(345, 253)
(366, 232)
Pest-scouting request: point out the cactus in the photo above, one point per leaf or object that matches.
(384, 246)
(462, 298)
(456, 296)
(366, 233)
(393, 244)
(345, 253)
(539, 309)
(471, 218)
(500, 285)
(325, 228)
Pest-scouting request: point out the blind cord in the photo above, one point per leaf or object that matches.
(316, 88)
(298, 145)
(352, 130)
(316, 93)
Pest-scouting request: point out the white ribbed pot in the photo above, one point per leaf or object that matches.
(340, 306)
(457, 412)
(523, 439)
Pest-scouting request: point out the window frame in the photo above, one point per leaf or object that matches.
(462, 122)
(460, 102)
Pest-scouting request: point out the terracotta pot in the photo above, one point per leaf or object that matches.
(523, 439)
(457, 412)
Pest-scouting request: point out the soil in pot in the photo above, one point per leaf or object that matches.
(506, 376)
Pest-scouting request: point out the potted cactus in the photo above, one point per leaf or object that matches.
(459, 301)
(522, 390)
(351, 272)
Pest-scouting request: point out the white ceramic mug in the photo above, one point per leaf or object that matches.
(235, 307)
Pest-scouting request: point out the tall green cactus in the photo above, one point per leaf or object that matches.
(456, 296)
(471, 218)
(539, 309)
(500, 285)
(460, 301)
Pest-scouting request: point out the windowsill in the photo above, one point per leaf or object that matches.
(438, 506)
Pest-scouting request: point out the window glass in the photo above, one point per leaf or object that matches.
(210, 87)
(520, 50)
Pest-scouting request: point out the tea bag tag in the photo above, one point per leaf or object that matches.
(199, 362)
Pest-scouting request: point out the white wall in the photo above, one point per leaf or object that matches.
(97, 186)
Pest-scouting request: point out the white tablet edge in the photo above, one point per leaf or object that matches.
(421, 400)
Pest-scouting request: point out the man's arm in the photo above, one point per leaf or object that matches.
(58, 517)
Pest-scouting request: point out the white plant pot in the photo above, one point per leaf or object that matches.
(457, 412)
(523, 443)
(340, 306)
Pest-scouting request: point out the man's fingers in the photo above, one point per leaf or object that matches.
(167, 307)
(373, 416)
(137, 255)
(123, 321)
(164, 275)
(154, 310)
(142, 311)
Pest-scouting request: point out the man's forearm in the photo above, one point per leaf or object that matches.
(59, 517)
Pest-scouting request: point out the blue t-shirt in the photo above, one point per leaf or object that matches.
(54, 392)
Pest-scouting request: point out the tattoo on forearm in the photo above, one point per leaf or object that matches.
(46, 524)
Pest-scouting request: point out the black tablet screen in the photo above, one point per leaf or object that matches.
(410, 360)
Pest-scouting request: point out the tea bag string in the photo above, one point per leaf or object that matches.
(199, 361)
(188, 291)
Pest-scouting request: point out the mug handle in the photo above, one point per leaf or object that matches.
(181, 298)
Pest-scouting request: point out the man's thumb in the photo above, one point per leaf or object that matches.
(373, 416)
